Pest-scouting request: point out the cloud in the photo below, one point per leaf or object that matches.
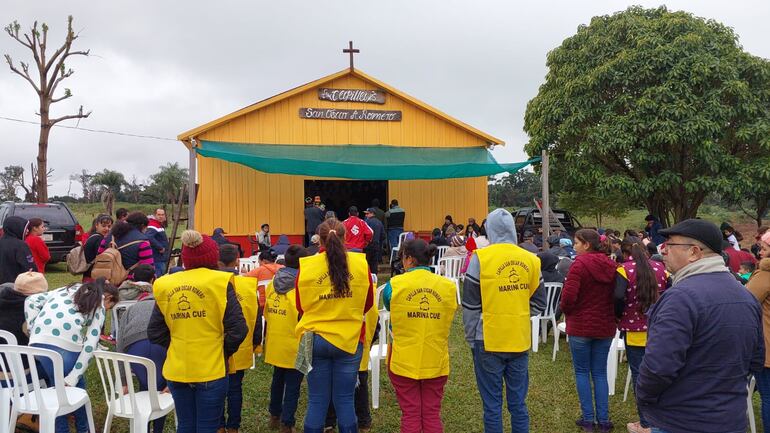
(160, 68)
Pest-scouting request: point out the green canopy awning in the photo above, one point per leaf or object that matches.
(364, 162)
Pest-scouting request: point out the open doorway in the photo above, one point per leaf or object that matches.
(339, 195)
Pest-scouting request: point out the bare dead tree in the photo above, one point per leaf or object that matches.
(51, 71)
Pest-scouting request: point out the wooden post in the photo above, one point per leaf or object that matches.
(191, 187)
(546, 208)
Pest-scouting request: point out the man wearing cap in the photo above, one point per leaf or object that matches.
(374, 249)
(314, 216)
(358, 234)
(704, 339)
(528, 243)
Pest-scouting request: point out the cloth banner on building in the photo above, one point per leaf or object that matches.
(364, 162)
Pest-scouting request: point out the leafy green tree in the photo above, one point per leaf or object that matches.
(132, 191)
(660, 107)
(514, 190)
(10, 179)
(167, 182)
(110, 184)
(751, 189)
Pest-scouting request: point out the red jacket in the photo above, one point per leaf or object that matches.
(39, 251)
(358, 234)
(586, 299)
(735, 258)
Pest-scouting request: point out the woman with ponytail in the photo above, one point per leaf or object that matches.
(68, 321)
(637, 286)
(334, 291)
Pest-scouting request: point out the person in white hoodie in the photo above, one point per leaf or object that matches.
(68, 321)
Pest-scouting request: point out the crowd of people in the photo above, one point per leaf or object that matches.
(691, 305)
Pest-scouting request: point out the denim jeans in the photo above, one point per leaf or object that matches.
(160, 269)
(284, 394)
(657, 430)
(589, 359)
(763, 386)
(393, 236)
(69, 358)
(199, 405)
(332, 379)
(234, 401)
(635, 354)
(361, 397)
(157, 354)
(492, 368)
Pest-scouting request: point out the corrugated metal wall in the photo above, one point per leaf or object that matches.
(240, 199)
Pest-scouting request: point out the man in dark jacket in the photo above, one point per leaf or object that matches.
(314, 216)
(374, 249)
(15, 256)
(704, 339)
(653, 229)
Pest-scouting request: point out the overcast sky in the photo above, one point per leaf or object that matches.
(162, 67)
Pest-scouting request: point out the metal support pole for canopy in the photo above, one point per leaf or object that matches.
(191, 187)
(546, 207)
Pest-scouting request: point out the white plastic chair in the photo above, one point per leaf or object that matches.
(5, 393)
(561, 328)
(139, 407)
(394, 250)
(440, 251)
(245, 265)
(379, 351)
(613, 358)
(540, 321)
(119, 309)
(451, 267)
(30, 398)
(750, 405)
(261, 283)
(628, 384)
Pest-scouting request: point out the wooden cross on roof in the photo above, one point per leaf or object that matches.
(351, 51)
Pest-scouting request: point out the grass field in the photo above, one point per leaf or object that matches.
(552, 399)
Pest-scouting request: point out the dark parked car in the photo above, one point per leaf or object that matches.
(63, 232)
(530, 219)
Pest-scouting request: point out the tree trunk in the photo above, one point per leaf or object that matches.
(42, 154)
(762, 203)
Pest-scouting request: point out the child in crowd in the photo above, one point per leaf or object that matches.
(745, 271)
(144, 275)
(281, 344)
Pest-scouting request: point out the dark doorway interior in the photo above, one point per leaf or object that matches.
(339, 195)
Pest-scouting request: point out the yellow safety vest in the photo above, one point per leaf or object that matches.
(422, 308)
(370, 321)
(246, 291)
(281, 344)
(335, 317)
(193, 304)
(509, 276)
